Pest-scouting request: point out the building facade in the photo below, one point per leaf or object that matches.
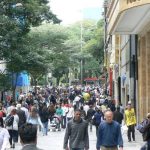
(130, 21)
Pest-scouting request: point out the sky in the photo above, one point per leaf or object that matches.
(70, 11)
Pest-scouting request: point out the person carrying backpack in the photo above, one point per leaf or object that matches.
(144, 128)
(12, 127)
(90, 114)
(97, 118)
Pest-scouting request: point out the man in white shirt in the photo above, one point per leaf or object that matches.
(70, 113)
(86, 108)
(76, 100)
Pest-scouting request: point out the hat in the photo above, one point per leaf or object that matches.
(129, 102)
(18, 105)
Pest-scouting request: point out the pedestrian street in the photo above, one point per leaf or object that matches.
(54, 141)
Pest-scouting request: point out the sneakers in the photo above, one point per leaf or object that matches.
(12, 146)
(130, 140)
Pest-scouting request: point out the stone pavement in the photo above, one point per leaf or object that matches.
(54, 141)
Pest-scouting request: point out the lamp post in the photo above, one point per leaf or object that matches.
(81, 43)
(81, 46)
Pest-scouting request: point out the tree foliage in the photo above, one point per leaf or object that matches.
(95, 46)
(17, 17)
(46, 51)
(86, 43)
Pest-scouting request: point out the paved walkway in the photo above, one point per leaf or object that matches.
(54, 141)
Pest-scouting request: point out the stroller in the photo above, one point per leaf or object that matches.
(55, 123)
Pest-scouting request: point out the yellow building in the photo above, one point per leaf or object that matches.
(130, 19)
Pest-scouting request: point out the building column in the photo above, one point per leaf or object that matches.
(142, 78)
(147, 72)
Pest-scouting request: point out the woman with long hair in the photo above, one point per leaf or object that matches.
(13, 129)
(52, 110)
(34, 117)
(44, 115)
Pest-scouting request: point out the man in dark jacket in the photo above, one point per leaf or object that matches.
(28, 136)
(90, 114)
(77, 133)
(97, 118)
(118, 116)
(109, 134)
(44, 116)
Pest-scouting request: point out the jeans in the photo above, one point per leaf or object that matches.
(45, 128)
(64, 121)
(131, 129)
(13, 136)
(90, 124)
(96, 130)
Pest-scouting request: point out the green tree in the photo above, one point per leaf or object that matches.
(91, 51)
(17, 18)
(46, 51)
(95, 46)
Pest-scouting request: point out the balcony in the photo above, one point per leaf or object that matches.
(128, 16)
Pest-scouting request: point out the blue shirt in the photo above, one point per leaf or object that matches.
(109, 134)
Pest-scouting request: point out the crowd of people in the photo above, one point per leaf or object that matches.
(73, 109)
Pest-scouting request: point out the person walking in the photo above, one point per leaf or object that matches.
(70, 113)
(118, 116)
(44, 115)
(13, 128)
(59, 114)
(146, 132)
(51, 110)
(34, 117)
(86, 107)
(21, 115)
(130, 121)
(76, 133)
(90, 114)
(28, 136)
(83, 113)
(97, 118)
(109, 134)
(4, 135)
(64, 119)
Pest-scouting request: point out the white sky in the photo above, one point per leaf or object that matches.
(70, 10)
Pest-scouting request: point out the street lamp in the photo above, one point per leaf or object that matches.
(81, 46)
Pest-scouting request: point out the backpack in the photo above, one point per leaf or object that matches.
(96, 120)
(144, 128)
(9, 120)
